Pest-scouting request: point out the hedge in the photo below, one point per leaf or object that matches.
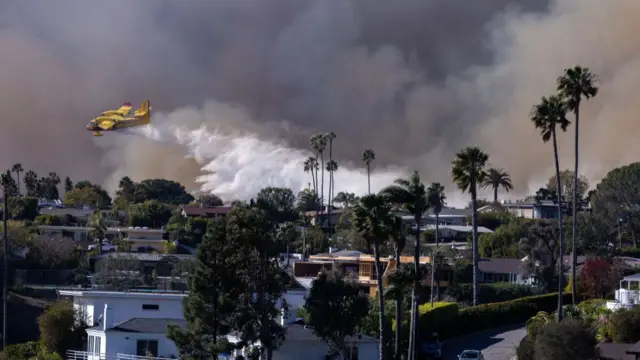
(493, 315)
(431, 319)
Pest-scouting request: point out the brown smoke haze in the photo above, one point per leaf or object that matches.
(415, 80)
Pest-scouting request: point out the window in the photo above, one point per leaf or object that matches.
(147, 347)
(150, 307)
(93, 344)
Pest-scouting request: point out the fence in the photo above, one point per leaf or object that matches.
(85, 355)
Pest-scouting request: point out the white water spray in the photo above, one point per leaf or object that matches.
(238, 164)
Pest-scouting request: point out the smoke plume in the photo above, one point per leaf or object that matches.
(237, 87)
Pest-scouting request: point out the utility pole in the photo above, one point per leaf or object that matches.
(5, 217)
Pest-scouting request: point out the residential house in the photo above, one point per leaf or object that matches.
(628, 294)
(126, 324)
(79, 216)
(160, 271)
(543, 209)
(321, 218)
(301, 343)
(503, 270)
(363, 265)
(202, 211)
(129, 325)
(138, 238)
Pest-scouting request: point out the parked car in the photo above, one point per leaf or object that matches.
(471, 354)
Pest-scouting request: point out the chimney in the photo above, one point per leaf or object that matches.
(107, 318)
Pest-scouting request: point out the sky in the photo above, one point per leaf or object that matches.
(237, 87)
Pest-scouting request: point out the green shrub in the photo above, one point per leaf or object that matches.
(625, 325)
(490, 293)
(432, 318)
(24, 351)
(524, 350)
(569, 339)
(486, 316)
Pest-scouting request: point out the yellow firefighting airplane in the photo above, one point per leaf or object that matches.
(124, 117)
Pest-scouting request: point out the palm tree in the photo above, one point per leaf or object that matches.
(435, 197)
(286, 234)
(573, 85)
(399, 240)
(30, 180)
(332, 166)
(411, 194)
(311, 166)
(17, 168)
(468, 170)
(547, 116)
(346, 199)
(371, 217)
(5, 180)
(319, 144)
(97, 228)
(495, 179)
(368, 156)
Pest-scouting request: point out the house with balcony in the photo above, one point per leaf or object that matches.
(628, 294)
(363, 265)
(126, 325)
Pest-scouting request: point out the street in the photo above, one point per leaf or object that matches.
(496, 344)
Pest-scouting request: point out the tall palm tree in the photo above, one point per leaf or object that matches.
(547, 116)
(368, 156)
(311, 166)
(468, 171)
(4, 181)
(17, 168)
(97, 228)
(573, 85)
(319, 144)
(371, 216)
(399, 239)
(436, 198)
(332, 167)
(495, 179)
(30, 181)
(411, 194)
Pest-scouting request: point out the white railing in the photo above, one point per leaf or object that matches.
(85, 355)
(628, 297)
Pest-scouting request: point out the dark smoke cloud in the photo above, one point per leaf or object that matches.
(415, 80)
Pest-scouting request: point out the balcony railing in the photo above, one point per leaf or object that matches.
(628, 297)
(84, 355)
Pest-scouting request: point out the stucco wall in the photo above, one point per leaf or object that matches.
(126, 343)
(127, 308)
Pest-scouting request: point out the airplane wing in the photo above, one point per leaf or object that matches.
(122, 111)
(107, 124)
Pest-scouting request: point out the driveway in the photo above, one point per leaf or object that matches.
(495, 344)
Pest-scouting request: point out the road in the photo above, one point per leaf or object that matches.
(496, 344)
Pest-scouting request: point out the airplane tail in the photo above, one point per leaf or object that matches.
(144, 109)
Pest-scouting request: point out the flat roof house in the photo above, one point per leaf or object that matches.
(127, 324)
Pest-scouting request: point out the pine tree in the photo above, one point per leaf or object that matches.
(210, 303)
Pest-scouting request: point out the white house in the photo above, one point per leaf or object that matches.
(129, 325)
(137, 237)
(301, 343)
(125, 325)
(628, 294)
